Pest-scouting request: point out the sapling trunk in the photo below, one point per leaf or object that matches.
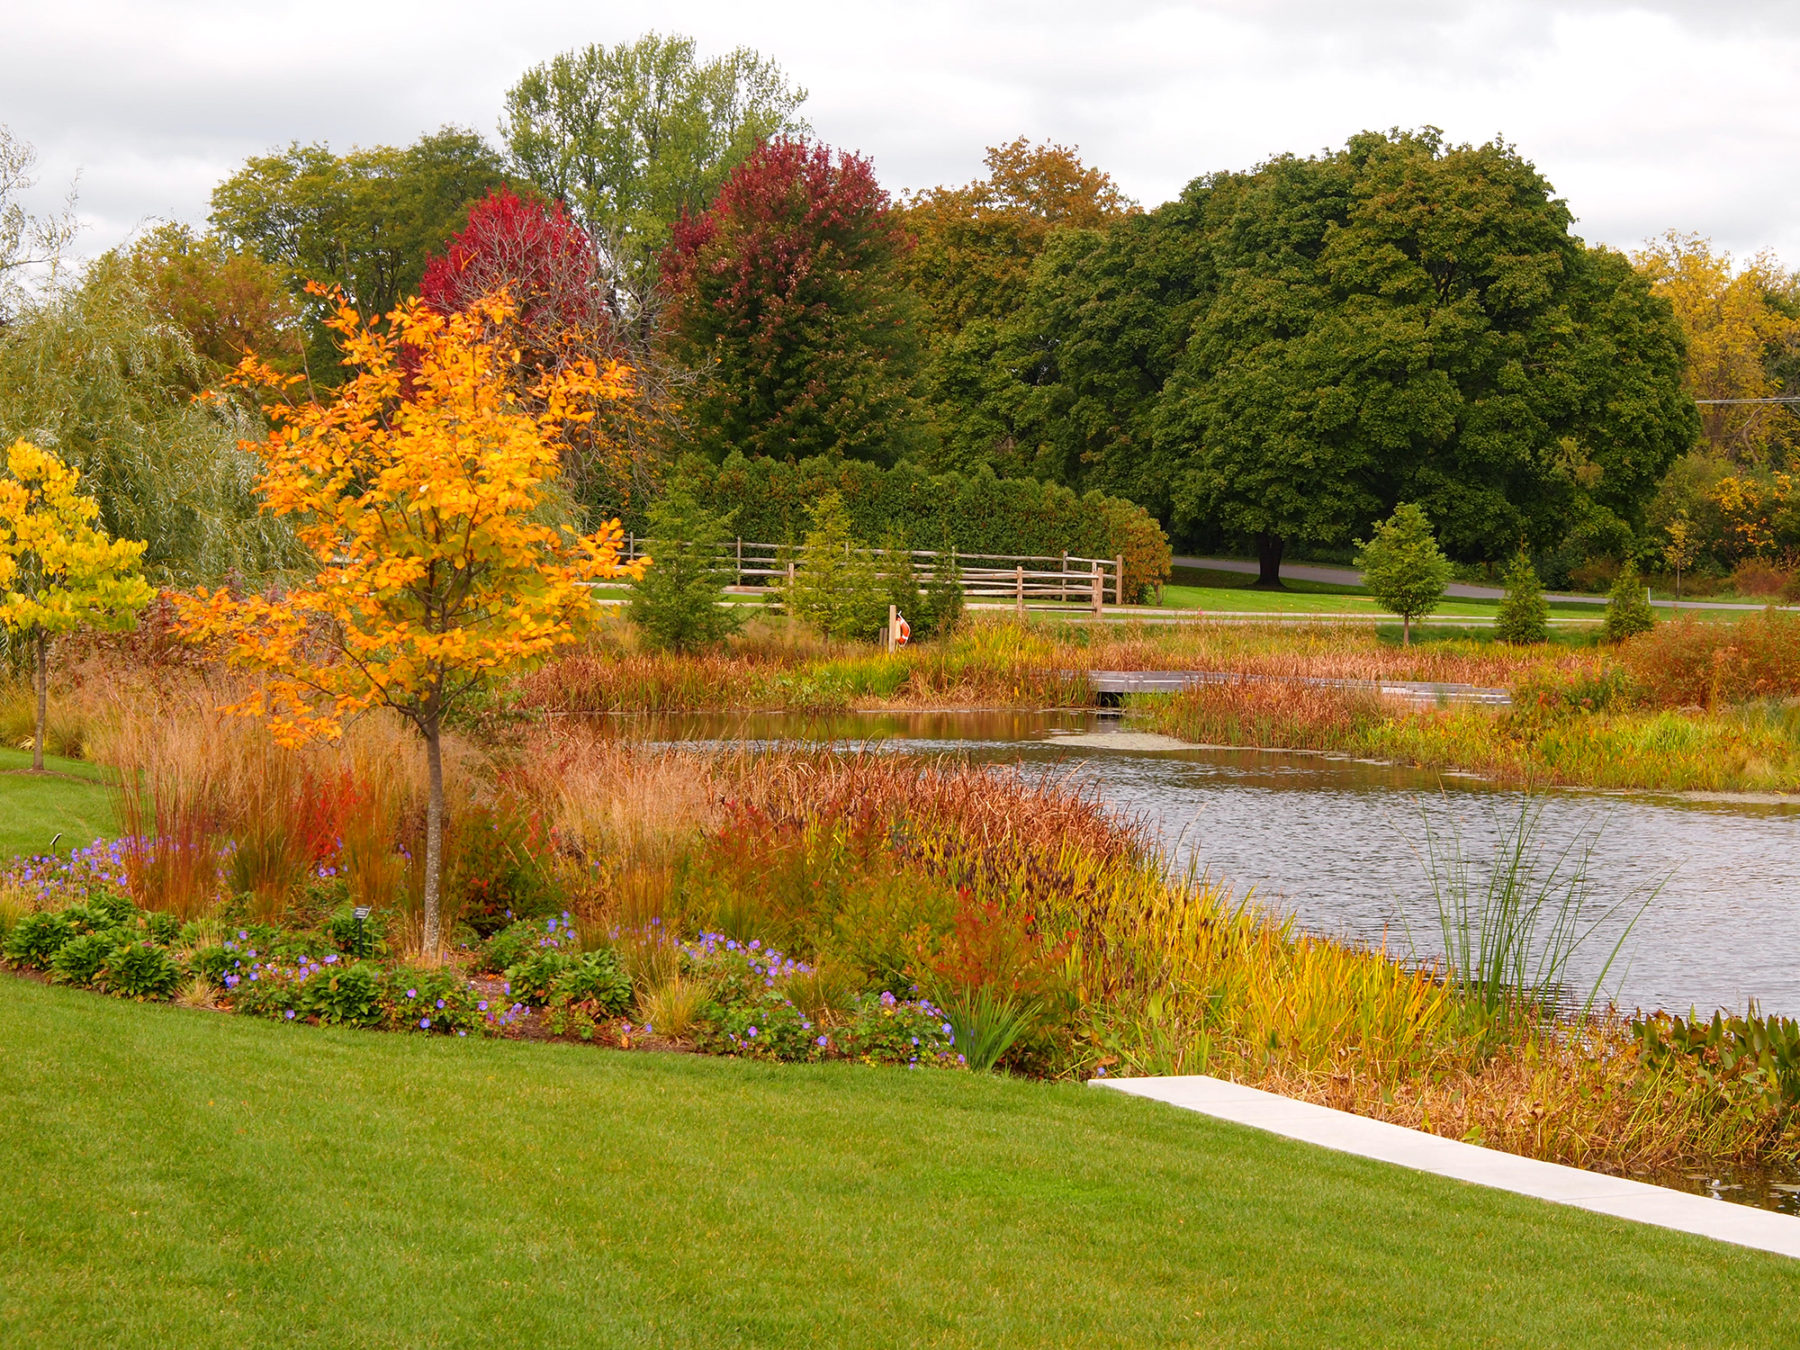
(434, 835)
(1406, 630)
(43, 700)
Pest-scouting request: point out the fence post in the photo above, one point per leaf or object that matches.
(1099, 596)
(1062, 585)
(630, 547)
(740, 560)
(893, 625)
(1119, 580)
(1019, 589)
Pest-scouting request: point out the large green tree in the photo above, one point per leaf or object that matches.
(1280, 356)
(971, 265)
(631, 136)
(366, 221)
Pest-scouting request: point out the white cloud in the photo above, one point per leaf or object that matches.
(1645, 116)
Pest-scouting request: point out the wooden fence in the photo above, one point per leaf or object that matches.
(989, 580)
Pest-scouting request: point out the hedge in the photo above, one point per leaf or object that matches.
(972, 513)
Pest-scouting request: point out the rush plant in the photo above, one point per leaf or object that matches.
(421, 491)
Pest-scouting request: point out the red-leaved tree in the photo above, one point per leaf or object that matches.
(541, 258)
(564, 311)
(785, 297)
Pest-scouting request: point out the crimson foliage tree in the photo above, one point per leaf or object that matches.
(564, 312)
(786, 299)
(544, 261)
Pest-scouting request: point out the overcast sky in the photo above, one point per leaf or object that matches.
(1646, 117)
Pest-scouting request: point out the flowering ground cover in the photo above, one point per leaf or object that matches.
(179, 1178)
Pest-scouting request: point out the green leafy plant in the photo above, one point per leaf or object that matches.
(437, 1000)
(1524, 617)
(533, 979)
(37, 938)
(78, 960)
(675, 604)
(516, 941)
(139, 970)
(1403, 567)
(348, 995)
(597, 978)
(836, 586)
(1627, 607)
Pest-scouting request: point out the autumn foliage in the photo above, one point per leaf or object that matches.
(420, 492)
(785, 295)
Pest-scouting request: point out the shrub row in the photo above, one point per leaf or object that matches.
(768, 501)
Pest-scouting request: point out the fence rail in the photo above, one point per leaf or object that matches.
(1025, 581)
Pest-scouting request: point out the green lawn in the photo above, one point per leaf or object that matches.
(71, 799)
(179, 1178)
(1233, 592)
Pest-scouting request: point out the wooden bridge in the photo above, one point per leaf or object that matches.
(1113, 685)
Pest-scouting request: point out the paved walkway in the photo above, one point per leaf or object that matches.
(1458, 590)
(1634, 1200)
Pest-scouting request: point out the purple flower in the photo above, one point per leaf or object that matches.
(948, 1031)
(331, 960)
(751, 1031)
(425, 1022)
(820, 1041)
(915, 1040)
(462, 1033)
(290, 1014)
(412, 993)
(440, 1003)
(481, 1006)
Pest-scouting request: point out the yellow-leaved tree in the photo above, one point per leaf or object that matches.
(59, 570)
(421, 491)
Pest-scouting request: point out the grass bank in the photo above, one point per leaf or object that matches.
(71, 799)
(237, 1182)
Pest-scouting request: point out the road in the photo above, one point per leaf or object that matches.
(1460, 590)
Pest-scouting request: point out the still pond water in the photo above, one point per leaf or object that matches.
(1341, 844)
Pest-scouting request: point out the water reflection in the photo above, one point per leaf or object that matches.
(1339, 843)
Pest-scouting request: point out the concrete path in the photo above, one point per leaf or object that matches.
(1458, 590)
(1635, 1200)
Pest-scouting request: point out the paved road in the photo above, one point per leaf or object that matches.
(1460, 590)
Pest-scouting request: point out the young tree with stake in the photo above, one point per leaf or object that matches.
(1403, 567)
(419, 491)
(59, 571)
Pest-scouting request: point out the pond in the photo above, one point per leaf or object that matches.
(1711, 887)
(1342, 844)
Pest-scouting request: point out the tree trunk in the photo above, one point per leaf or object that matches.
(1406, 630)
(432, 939)
(43, 700)
(1269, 548)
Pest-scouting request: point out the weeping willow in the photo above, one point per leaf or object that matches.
(90, 371)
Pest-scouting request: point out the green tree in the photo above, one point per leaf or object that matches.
(676, 603)
(633, 136)
(1281, 354)
(837, 588)
(786, 302)
(96, 374)
(1403, 567)
(1524, 617)
(941, 603)
(1627, 606)
(365, 222)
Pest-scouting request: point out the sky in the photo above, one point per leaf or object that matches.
(1646, 117)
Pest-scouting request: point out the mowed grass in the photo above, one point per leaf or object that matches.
(71, 799)
(181, 1178)
(1204, 588)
